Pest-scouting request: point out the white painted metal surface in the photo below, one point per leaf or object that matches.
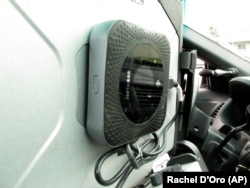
(43, 58)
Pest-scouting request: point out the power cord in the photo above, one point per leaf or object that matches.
(138, 155)
(100, 162)
(135, 161)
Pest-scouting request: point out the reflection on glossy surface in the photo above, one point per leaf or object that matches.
(141, 83)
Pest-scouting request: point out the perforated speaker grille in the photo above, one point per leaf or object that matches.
(123, 38)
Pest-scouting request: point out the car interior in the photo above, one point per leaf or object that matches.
(116, 94)
(218, 122)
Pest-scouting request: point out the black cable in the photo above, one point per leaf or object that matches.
(164, 130)
(99, 164)
(136, 161)
(137, 152)
(124, 172)
(163, 133)
(149, 155)
(137, 156)
(124, 178)
(230, 135)
(132, 157)
(160, 149)
(154, 151)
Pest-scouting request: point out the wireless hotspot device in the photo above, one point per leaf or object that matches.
(128, 82)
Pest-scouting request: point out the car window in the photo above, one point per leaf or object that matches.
(225, 22)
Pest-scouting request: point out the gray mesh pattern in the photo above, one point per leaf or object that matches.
(124, 36)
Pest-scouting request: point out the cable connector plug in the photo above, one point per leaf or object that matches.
(172, 83)
(180, 93)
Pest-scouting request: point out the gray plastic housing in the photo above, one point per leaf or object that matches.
(110, 44)
(96, 89)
